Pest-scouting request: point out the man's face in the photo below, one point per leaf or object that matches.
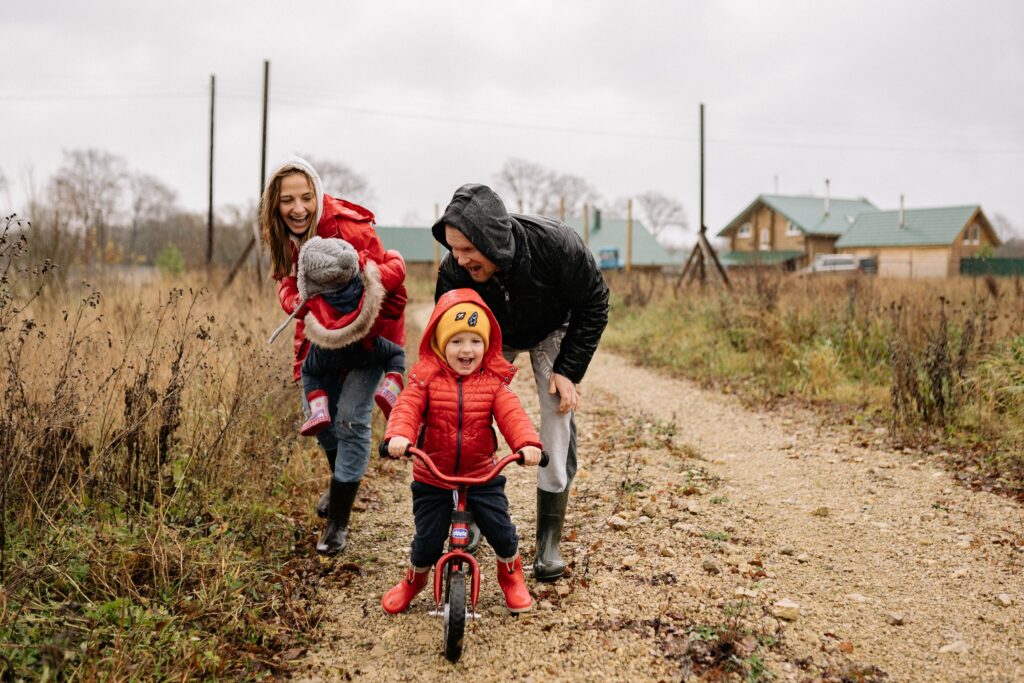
(479, 267)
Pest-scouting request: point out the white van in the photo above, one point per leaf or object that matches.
(831, 263)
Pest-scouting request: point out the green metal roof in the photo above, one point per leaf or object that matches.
(921, 227)
(416, 244)
(808, 213)
(754, 258)
(612, 233)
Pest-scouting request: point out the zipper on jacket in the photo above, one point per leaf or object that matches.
(458, 438)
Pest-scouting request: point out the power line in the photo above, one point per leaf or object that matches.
(521, 125)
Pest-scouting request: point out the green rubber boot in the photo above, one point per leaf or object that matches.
(548, 564)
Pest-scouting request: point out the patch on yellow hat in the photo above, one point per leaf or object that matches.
(464, 317)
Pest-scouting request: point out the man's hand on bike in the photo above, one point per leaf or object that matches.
(397, 446)
(531, 455)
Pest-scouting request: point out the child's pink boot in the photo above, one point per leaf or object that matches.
(387, 393)
(513, 585)
(319, 413)
(401, 594)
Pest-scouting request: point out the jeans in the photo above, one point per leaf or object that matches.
(557, 432)
(321, 362)
(351, 404)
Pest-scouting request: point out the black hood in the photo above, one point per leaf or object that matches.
(479, 214)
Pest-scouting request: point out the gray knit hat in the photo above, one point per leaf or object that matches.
(324, 265)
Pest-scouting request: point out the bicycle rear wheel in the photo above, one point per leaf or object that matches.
(454, 615)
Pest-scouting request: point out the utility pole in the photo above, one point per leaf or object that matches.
(209, 210)
(263, 172)
(629, 235)
(263, 177)
(586, 225)
(437, 245)
(696, 268)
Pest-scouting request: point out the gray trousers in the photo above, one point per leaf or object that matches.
(557, 432)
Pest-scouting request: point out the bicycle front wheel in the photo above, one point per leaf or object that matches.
(454, 615)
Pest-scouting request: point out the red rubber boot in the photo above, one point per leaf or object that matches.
(401, 594)
(387, 393)
(513, 585)
(319, 414)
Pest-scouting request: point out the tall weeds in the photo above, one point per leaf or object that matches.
(938, 361)
(145, 436)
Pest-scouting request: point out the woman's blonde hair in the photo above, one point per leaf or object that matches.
(275, 232)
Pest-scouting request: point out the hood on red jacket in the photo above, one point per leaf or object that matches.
(430, 363)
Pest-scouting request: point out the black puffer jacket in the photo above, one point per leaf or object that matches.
(546, 277)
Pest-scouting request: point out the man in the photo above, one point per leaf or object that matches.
(550, 298)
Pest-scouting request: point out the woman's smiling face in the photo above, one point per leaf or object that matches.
(297, 205)
(464, 352)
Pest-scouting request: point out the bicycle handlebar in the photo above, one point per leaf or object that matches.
(468, 481)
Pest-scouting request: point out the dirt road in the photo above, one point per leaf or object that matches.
(704, 537)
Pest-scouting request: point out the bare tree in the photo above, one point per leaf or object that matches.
(573, 190)
(339, 180)
(660, 211)
(1005, 230)
(151, 201)
(525, 183)
(89, 186)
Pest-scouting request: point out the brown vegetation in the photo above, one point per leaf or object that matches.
(145, 479)
(939, 363)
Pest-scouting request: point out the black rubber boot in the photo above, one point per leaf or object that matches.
(325, 497)
(335, 536)
(473, 542)
(548, 564)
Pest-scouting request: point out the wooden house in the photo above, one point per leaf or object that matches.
(919, 243)
(788, 231)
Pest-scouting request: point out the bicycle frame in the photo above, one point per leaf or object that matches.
(458, 537)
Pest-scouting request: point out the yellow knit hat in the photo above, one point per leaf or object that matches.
(463, 317)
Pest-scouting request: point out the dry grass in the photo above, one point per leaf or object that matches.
(938, 362)
(146, 435)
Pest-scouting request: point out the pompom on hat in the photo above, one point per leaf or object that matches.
(324, 265)
(462, 317)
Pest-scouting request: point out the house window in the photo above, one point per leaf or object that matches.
(765, 240)
(792, 230)
(972, 234)
(744, 230)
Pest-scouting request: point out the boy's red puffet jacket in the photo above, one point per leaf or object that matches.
(354, 224)
(449, 416)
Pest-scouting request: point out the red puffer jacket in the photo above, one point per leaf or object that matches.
(354, 224)
(450, 416)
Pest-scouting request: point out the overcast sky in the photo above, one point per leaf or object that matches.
(419, 96)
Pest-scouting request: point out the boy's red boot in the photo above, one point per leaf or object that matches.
(387, 393)
(401, 594)
(513, 585)
(319, 414)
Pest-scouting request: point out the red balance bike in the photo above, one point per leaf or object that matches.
(453, 566)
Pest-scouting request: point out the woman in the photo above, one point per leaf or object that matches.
(294, 209)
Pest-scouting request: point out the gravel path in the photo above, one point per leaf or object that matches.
(703, 538)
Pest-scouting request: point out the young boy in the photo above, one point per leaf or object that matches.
(456, 389)
(341, 306)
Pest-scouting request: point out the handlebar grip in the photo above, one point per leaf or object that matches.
(544, 459)
(383, 451)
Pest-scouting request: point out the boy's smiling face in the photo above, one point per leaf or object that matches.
(464, 352)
